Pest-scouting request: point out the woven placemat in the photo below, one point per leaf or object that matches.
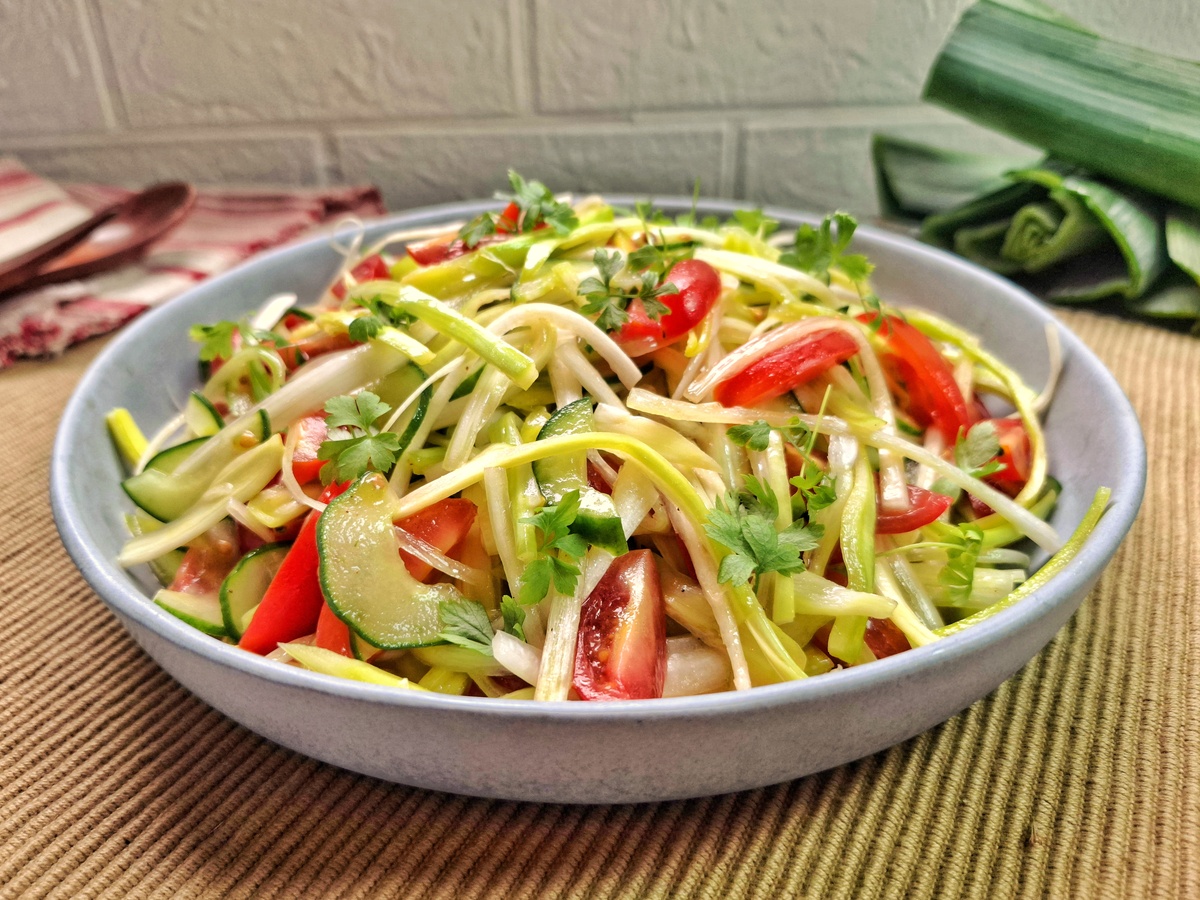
(1079, 778)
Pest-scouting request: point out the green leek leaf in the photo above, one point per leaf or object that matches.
(1129, 114)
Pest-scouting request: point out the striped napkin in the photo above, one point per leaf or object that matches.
(224, 227)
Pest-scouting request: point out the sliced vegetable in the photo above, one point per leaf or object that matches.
(785, 369)
(246, 585)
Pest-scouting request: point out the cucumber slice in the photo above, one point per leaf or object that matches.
(363, 577)
(201, 416)
(264, 425)
(151, 489)
(165, 567)
(201, 611)
(597, 521)
(243, 588)
(396, 389)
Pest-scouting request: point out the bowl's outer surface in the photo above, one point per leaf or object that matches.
(614, 752)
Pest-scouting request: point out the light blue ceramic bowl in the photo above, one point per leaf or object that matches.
(601, 752)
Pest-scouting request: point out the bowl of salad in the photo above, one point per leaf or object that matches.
(596, 499)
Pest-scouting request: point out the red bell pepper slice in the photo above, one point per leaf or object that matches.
(923, 507)
(786, 368)
(920, 375)
(292, 604)
(372, 268)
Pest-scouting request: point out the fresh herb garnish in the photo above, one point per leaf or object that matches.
(817, 250)
(216, 340)
(744, 523)
(555, 547)
(961, 556)
(363, 447)
(756, 435)
(514, 617)
(466, 623)
(976, 450)
(536, 206)
(756, 222)
(612, 300)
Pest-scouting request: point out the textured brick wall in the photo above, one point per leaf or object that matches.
(771, 100)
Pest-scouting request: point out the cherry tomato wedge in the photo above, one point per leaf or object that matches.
(442, 525)
(305, 465)
(923, 507)
(621, 653)
(207, 561)
(440, 250)
(788, 367)
(1014, 456)
(884, 638)
(921, 376)
(699, 286)
(372, 268)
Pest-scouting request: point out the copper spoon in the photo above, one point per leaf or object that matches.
(112, 237)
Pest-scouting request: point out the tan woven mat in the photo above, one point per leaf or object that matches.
(1078, 778)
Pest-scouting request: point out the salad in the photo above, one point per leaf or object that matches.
(572, 452)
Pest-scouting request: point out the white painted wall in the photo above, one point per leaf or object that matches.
(770, 100)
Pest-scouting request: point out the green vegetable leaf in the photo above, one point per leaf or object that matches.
(514, 617)
(744, 523)
(465, 623)
(216, 340)
(557, 549)
(483, 225)
(756, 435)
(756, 222)
(354, 445)
(366, 327)
(959, 574)
(977, 449)
(817, 250)
(538, 206)
(611, 301)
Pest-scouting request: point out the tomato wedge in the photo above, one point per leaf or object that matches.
(305, 465)
(923, 507)
(786, 368)
(440, 250)
(207, 561)
(621, 653)
(372, 268)
(884, 638)
(292, 604)
(699, 286)
(920, 375)
(1014, 455)
(442, 525)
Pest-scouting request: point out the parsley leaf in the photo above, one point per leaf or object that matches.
(364, 328)
(977, 449)
(744, 523)
(959, 574)
(465, 623)
(514, 617)
(611, 300)
(817, 250)
(756, 435)
(557, 542)
(365, 448)
(756, 222)
(216, 340)
(538, 206)
(477, 229)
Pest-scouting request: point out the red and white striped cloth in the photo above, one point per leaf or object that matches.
(223, 228)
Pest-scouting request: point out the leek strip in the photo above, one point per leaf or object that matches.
(326, 662)
(159, 440)
(694, 668)
(919, 600)
(244, 477)
(587, 376)
(666, 440)
(817, 596)
(130, 441)
(508, 359)
(496, 488)
(1053, 566)
(562, 631)
(781, 280)
(517, 656)
(903, 616)
(857, 541)
(432, 556)
(288, 476)
(535, 314)
(1040, 532)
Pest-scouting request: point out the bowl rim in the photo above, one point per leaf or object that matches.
(105, 577)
